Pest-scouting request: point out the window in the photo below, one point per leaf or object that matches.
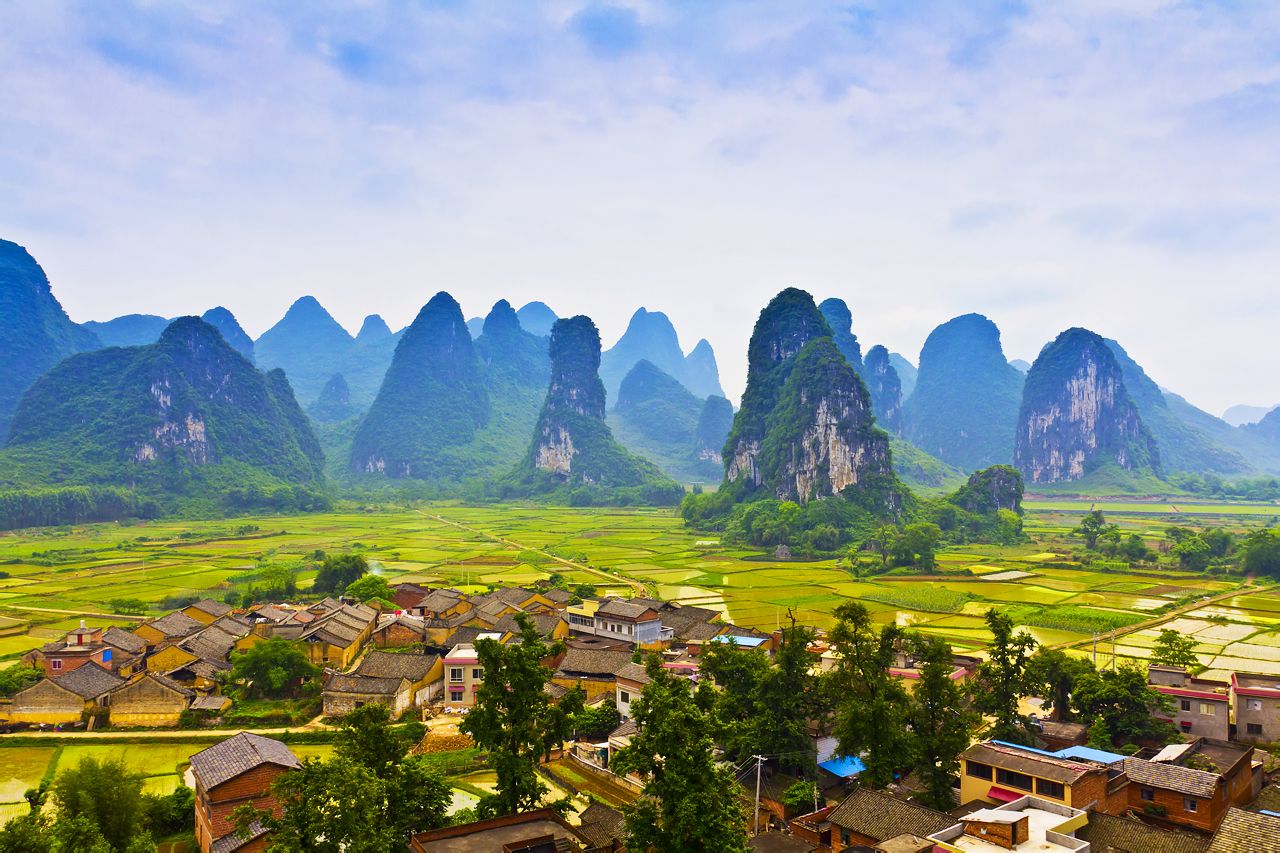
(1186, 704)
(106, 655)
(1148, 794)
(629, 627)
(845, 838)
(977, 770)
(624, 697)
(1185, 726)
(1255, 704)
(1190, 803)
(1253, 728)
(1051, 789)
(56, 663)
(1207, 710)
(477, 675)
(455, 695)
(455, 674)
(1020, 781)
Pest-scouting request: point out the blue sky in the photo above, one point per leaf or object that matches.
(1049, 165)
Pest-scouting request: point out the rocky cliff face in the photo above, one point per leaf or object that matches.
(964, 409)
(35, 333)
(187, 401)
(840, 319)
(432, 398)
(805, 429)
(572, 445)
(1077, 416)
(885, 389)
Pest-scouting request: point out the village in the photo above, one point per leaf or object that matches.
(417, 656)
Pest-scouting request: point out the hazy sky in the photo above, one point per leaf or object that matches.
(1049, 165)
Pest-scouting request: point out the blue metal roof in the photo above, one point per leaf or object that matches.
(748, 642)
(845, 768)
(1089, 754)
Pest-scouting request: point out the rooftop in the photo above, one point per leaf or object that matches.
(236, 755)
(1246, 832)
(1050, 828)
(881, 816)
(1034, 762)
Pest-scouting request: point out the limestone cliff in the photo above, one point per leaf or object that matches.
(840, 319)
(1077, 418)
(885, 388)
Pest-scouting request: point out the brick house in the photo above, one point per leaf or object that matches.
(1193, 784)
(149, 700)
(81, 645)
(1255, 705)
(867, 817)
(237, 771)
(1201, 707)
(997, 772)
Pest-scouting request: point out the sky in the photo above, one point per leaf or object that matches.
(1098, 164)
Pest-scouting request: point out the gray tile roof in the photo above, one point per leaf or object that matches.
(593, 662)
(231, 842)
(236, 755)
(212, 644)
(880, 816)
(122, 639)
(601, 825)
(213, 608)
(212, 702)
(1246, 832)
(176, 624)
(378, 664)
(634, 672)
(1171, 777)
(623, 609)
(89, 681)
(545, 623)
(1110, 834)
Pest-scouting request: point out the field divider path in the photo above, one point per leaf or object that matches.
(637, 586)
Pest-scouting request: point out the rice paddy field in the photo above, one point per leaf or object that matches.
(57, 576)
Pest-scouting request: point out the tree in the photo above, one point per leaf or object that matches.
(1129, 708)
(103, 796)
(800, 798)
(941, 724)
(920, 540)
(271, 666)
(739, 675)
(872, 706)
(367, 738)
(1099, 737)
(1051, 676)
(17, 677)
(339, 570)
(790, 695)
(1262, 553)
(1193, 553)
(884, 540)
(597, 721)
(1092, 527)
(1001, 680)
(28, 833)
(515, 719)
(1174, 649)
(368, 588)
(689, 804)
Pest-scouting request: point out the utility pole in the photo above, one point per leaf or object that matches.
(1095, 649)
(755, 828)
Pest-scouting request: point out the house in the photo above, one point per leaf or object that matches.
(867, 817)
(127, 650)
(638, 623)
(1193, 784)
(398, 630)
(206, 611)
(405, 595)
(550, 625)
(777, 842)
(463, 675)
(541, 831)
(336, 637)
(1246, 832)
(171, 627)
(524, 599)
(442, 603)
(601, 828)
(425, 673)
(81, 646)
(595, 670)
(1113, 834)
(1201, 707)
(342, 694)
(1026, 824)
(582, 617)
(149, 700)
(629, 683)
(53, 701)
(1255, 706)
(235, 772)
(1060, 734)
(995, 772)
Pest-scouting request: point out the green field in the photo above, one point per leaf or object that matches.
(57, 575)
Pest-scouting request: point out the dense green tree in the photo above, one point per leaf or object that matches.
(1051, 675)
(1001, 680)
(368, 588)
(28, 833)
(1092, 527)
(1175, 649)
(920, 541)
(738, 674)
(1131, 710)
(338, 570)
(871, 705)
(1100, 736)
(516, 720)
(801, 798)
(106, 795)
(690, 804)
(884, 541)
(1221, 542)
(941, 722)
(270, 667)
(367, 737)
(597, 721)
(790, 696)
(1262, 553)
(1193, 553)
(17, 677)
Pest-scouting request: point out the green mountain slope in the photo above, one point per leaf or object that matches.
(659, 419)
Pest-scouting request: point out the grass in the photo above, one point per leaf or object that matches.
(931, 599)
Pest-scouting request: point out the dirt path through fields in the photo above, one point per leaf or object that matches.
(637, 586)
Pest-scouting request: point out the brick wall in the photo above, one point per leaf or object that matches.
(214, 808)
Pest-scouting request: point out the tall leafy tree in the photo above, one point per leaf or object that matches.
(871, 705)
(1051, 676)
(790, 696)
(739, 675)
(1093, 527)
(367, 737)
(270, 667)
(1130, 710)
(1174, 649)
(690, 804)
(516, 720)
(106, 796)
(941, 722)
(1001, 680)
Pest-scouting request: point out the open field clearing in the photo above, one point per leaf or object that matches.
(56, 575)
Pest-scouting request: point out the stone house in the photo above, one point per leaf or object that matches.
(342, 694)
(398, 630)
(235, 772)
(425, 673)
(149, 700)
(53, 701)
(595, 670)
(1201, 707)
(170, 627)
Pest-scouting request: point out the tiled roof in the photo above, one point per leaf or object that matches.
(164, 681)
(1171, 777)
(122, 639)
(463, 635)
(1268, 799)
(625, 729)
(1026, 761)
(212, 702)
(683, 617)
(545, 623)
(593, 662)
(634, 672)
(622, 609)
(378, 664)
(231, 842)
(1110, 834)
(237, 755)
(213, 608)
(437, 601)
(601, 825)
(273, 613)
(1246, 832)
(559, 596)
(513, 595)
(176, 624)
(699, 631)
(212, 643)
(339, 683)
(89, 681)
(877, 815)
(232, 624)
